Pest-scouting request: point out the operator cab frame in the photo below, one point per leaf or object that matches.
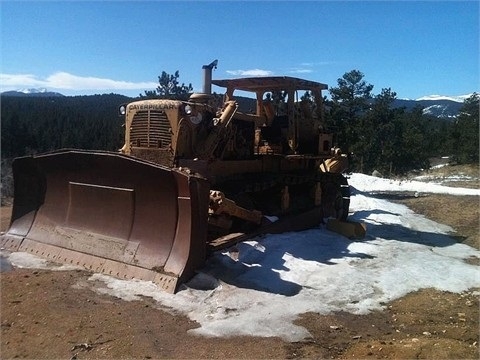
(286, 122)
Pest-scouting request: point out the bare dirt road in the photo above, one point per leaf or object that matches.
(54, 315)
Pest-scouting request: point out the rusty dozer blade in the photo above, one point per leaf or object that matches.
(110, 213)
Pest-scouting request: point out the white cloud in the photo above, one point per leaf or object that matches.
(318, 63)
(66, 81)
(19, 80)
(252, 72)
(301, 71)
(308, 67)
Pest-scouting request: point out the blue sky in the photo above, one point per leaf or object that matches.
(80, 47)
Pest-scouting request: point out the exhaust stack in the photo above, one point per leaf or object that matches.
(207, 76)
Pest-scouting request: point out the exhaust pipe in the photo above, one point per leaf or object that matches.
(207, 76)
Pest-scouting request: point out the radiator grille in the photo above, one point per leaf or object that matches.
(150, 128)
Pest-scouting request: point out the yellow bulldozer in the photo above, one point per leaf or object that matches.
(193, 177)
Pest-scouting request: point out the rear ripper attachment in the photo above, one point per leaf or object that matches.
(110, 213)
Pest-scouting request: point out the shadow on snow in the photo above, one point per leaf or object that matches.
(258, 264)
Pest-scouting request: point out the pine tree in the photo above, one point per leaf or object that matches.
(465, 135)
(349, 101)
(169, 88)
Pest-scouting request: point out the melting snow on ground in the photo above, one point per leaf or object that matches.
(274, 279)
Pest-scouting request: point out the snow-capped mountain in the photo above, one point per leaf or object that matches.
(33, 91)
(459, 98)
(441, 106)
(42, 92)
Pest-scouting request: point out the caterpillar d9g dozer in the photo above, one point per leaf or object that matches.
(191, 177)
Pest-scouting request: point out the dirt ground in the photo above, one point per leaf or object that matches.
(54, 315)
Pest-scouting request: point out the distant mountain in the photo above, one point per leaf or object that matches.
(460, 98)
(439, 106)
(31, 93)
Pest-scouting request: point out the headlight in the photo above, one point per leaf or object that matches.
(188, 109)
(196, 119)
(122, 110)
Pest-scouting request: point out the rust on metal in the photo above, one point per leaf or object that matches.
(110, 213)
